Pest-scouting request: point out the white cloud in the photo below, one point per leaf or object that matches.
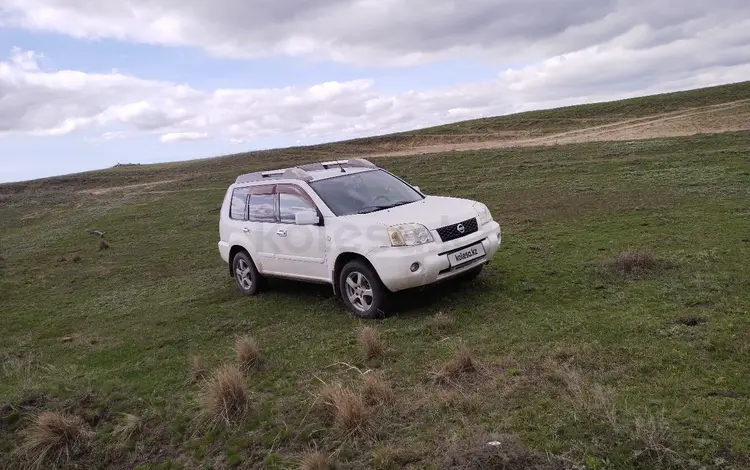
(622, 65)
(24, 60)
(114, 135)
(34, 100)
(183, 136)
(377, 31)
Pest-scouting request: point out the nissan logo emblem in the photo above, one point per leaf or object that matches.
(460, 228)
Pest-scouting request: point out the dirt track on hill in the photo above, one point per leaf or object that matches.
(725, 117)
(732, 116)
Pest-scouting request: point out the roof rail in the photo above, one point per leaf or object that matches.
(297, 173)
(361, 162)
(286, 173)
(352, 162)
(312, 167)
(301, 172)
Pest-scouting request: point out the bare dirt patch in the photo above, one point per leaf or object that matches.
(501, 452)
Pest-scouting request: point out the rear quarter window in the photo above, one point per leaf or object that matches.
(238, 204)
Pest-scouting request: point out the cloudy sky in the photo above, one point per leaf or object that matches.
(86, 84)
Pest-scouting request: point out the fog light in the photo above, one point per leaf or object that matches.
(414, 267)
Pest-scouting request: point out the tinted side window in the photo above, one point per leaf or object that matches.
(262, 208)
(238, 204)
(290, 204)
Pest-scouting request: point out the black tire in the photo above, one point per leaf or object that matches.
(246, 275)
(379, 297)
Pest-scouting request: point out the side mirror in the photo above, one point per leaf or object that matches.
(306, 218)
(417, 188)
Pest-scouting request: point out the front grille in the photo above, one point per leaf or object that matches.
(451, 232)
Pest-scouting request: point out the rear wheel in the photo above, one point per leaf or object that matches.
(246, 274)
(362, 292)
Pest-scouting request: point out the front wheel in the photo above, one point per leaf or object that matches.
(363, 293)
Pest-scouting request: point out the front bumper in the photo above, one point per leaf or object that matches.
(393, 263)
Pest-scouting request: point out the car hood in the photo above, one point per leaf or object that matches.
(433, 212)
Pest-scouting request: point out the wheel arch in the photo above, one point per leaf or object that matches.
(341, 260)
(232, 253)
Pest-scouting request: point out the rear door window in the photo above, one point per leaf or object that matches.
(262, 204)
(262, 208)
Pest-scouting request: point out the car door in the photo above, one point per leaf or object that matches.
(260, 226)
(301, 248)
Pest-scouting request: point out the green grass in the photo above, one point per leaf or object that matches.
(573, 359)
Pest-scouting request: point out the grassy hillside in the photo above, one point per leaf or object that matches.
(573, 358)
(531, 124)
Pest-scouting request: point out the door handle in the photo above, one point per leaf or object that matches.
(246, 230)
(281, 232)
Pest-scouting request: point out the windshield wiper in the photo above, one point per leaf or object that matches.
(368, 209)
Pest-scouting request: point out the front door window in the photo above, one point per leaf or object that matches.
(290, 205)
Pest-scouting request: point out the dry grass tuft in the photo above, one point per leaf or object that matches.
(569, 354)
(376, 390)
(652, 434)
(224, 396)
(633, 262)
(54, 438)
(130, 425)
(441, 323)
(248, 353)
(198, 367)
(461, 366)
(593, 401)
(350, 416)
(327, 396)
(370, 345)
(314, 460)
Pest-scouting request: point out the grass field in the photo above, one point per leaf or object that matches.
(554, 352)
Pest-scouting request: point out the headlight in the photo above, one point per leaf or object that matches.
(409, 235)
(483, 213)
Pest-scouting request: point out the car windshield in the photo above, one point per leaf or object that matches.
(363, 192)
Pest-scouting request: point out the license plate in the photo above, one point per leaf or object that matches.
(467, 254)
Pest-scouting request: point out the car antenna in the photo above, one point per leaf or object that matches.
(341, 166)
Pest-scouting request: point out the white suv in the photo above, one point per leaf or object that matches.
(353, 225)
